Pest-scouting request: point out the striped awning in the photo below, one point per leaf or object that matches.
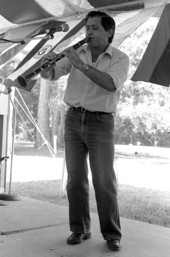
(155, 64)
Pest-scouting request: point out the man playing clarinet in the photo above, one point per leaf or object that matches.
(97, 72)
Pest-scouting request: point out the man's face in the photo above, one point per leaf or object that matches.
(97, 34)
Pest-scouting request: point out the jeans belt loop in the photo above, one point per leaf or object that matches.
(83, 109)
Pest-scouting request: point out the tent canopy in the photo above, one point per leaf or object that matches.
(23, 18)
(154, 66)
(25, 21)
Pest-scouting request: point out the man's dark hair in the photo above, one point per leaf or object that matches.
(106, 21)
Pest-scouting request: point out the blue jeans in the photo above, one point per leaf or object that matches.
(91, 133)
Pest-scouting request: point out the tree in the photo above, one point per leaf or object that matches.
(143, 111)
(58, 109)
(136, 44)
(143, 114)
(43, 133)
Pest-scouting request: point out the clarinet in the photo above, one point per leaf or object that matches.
(24, 80)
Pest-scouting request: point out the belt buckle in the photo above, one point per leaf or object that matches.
(83, 109)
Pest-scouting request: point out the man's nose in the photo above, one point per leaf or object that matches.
(90, 31)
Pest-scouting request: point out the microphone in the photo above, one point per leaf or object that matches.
(63, 27)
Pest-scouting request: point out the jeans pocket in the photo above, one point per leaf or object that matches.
(69, 112)
(106, 117)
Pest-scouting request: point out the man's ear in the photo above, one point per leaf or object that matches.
(111, 32)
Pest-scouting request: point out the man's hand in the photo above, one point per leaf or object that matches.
(71, 54)
(47, 73)
(48, 59)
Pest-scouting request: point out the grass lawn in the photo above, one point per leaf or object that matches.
(143, 204)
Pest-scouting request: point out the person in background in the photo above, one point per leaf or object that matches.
(97, 72)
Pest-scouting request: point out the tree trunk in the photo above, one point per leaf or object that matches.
(55, 121)
(61, 127)
(43, 114)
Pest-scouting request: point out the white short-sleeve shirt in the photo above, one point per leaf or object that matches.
(81, 91)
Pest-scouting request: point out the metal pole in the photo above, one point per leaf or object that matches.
(12, 152)
(7, 141)
(62, 183)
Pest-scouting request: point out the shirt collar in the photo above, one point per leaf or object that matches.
(109, 50)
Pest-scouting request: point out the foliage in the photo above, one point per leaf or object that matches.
(28, 107)
(55, 105)
(143, 115)
(143, 111)
(57, 92)
(135, 45)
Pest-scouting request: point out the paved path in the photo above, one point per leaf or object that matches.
(32, 228)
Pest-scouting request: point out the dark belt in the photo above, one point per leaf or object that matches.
(81, 109)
